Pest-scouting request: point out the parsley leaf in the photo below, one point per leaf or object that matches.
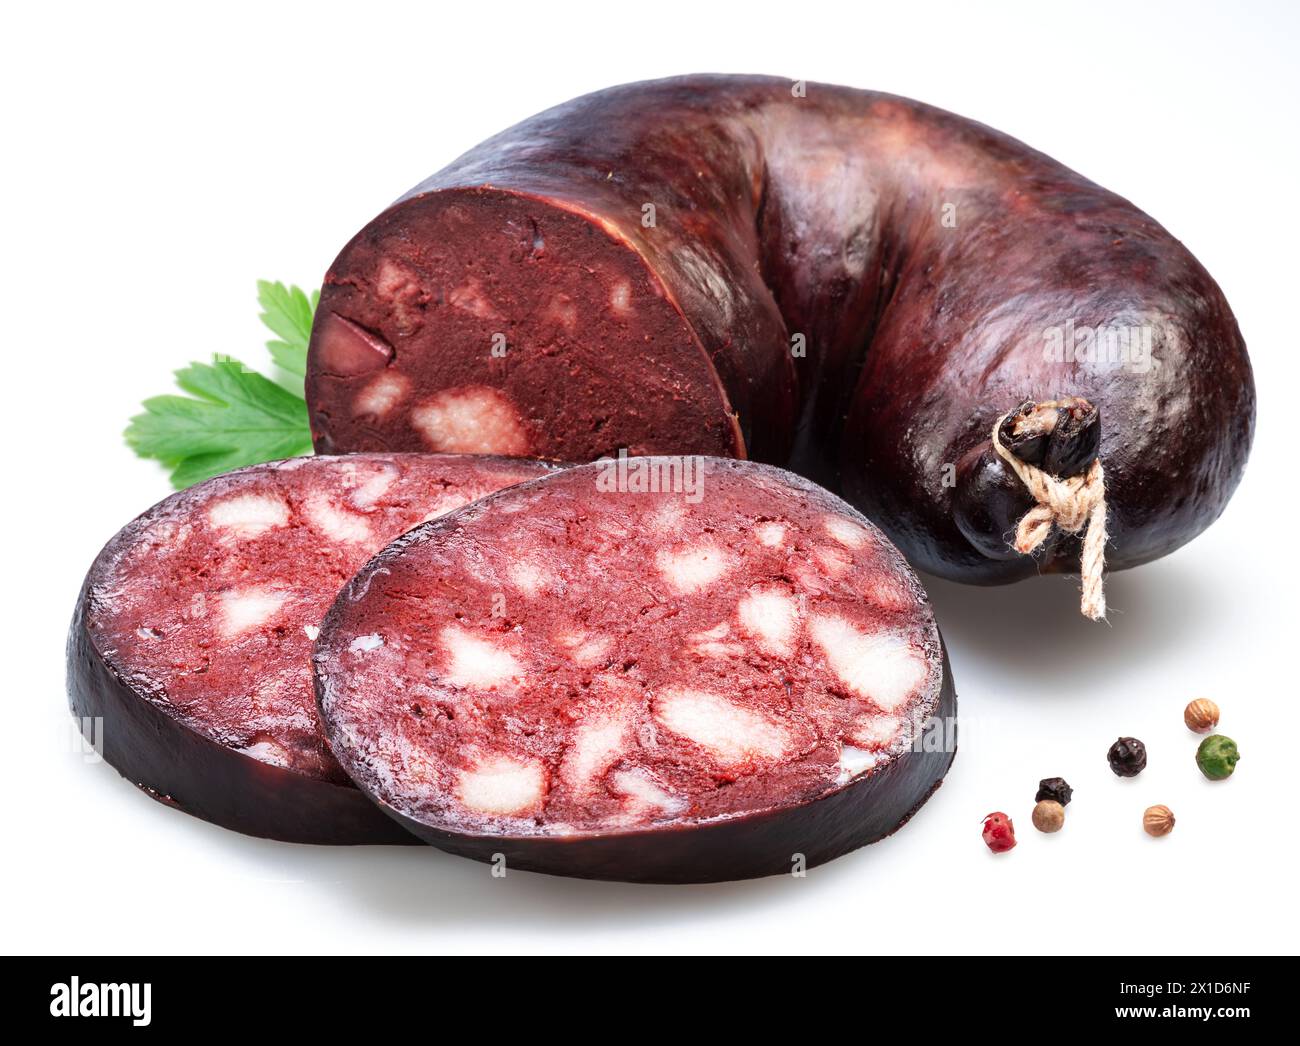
(288, 312)
(234, 416)
(237, 417)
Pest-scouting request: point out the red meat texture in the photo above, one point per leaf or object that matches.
(566, 659)
(209, 604)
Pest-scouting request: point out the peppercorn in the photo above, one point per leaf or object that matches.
(1056, 789)
(1158, 820)
(1049, 815)
(999, 833)
(1201, 715)
(1217, 757)
(1127, 757)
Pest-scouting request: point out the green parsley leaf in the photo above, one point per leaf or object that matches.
(237, 417)
(287, 312)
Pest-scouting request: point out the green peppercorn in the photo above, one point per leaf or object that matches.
(1217, 757)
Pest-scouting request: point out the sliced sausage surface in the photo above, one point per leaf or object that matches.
(193, 634)
(697, 679)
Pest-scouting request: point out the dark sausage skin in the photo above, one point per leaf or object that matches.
(851, 283)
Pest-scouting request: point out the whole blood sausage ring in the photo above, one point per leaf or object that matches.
(851, 283)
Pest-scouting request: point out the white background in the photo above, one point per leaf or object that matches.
(159, 159)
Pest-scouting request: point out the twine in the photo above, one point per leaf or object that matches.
(1069, 504)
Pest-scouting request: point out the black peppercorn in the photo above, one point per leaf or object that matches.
(1055, 789)
(1127, 757)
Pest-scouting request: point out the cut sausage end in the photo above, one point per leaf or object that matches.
(526, 308)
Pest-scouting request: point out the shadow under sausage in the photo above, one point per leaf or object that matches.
(424, 887)
(1035, 629)
(440, 889)
(421, 886)
(444, 890)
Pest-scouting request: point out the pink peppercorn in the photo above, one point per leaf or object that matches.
(999, 833)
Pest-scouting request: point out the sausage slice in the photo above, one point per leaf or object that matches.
(660, 670)
(192, 636)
